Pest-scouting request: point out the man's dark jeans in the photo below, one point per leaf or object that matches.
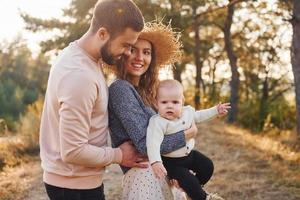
(57, 193)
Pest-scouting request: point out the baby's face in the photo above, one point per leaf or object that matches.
(169, 103)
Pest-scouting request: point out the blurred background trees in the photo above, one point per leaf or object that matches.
(23, 79)
(236, 51)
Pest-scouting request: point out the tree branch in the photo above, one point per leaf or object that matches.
(274, 84)
(281, 92)
(218, 8)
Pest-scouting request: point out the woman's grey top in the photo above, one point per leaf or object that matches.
(129, 117)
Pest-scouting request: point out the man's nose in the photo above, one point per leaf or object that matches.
(127, 51)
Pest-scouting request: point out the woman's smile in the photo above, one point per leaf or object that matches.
(137, 65)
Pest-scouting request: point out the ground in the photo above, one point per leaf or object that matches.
(247, 167)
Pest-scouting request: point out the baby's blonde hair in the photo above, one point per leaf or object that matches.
(169, 84)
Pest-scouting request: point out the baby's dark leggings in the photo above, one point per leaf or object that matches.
(179, 169)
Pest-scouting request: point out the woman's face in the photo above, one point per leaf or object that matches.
(137, 63)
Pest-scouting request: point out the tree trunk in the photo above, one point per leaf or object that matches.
(177, 70)
(212, 88)
(264, 101)
(235, 81)
(174, 14)
(295, 57)
(197, 61)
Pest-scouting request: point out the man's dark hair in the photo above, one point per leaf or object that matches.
(116, 16)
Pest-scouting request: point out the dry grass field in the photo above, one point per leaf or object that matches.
(247, 167)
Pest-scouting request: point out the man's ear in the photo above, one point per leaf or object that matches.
(103, 34)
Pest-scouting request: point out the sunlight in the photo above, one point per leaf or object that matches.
(37, 8)
(165, 73)
(266, 143)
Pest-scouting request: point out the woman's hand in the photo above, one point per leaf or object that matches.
(159, 170)
(191, 132)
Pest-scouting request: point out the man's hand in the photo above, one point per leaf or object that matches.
(131, 157)
(159, 170)
(191, 132)
(223, 108)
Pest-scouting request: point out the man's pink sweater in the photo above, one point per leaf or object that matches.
(74, 125)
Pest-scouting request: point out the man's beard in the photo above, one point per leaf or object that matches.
(106, 55)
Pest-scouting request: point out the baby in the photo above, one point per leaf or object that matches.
(173, 117)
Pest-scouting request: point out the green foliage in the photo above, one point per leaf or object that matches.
(11, 103)
(248, 115)
(22, 80)
(280, 115)
(30, 95)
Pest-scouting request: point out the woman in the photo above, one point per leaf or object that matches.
(132, 103)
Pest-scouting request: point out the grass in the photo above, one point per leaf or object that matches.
(16, 181)
(15, 155)
(250, 166)
(247, 166)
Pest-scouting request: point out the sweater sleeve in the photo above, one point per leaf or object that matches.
(77, 94)
(205, 114)
(155, 136)
(128, 107)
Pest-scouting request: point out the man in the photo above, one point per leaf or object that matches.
(74, 125)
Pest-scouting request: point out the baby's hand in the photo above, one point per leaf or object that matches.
(159, 170)
(223, 108)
